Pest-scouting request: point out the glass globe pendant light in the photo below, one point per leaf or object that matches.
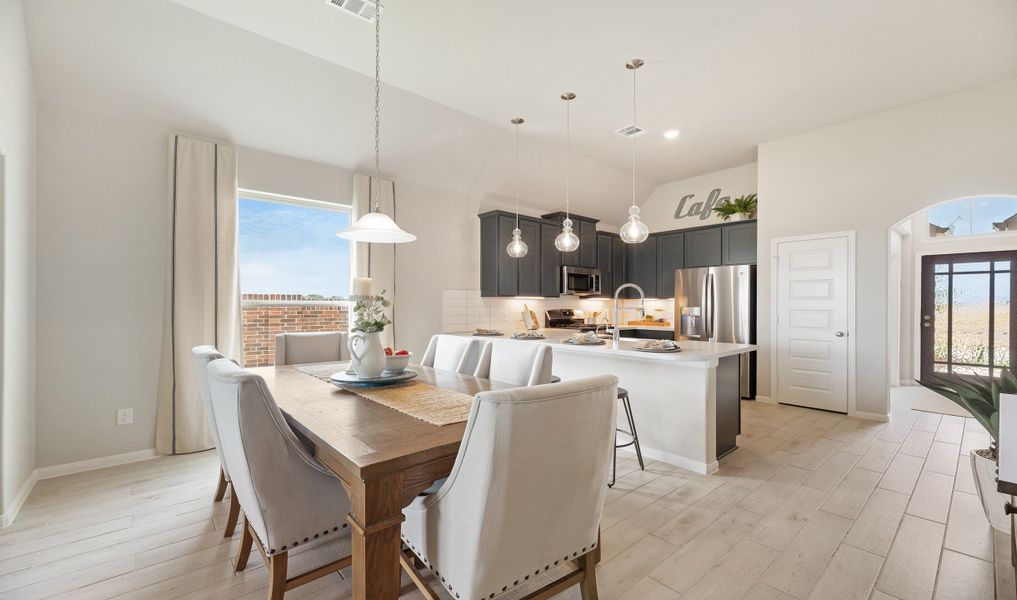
(566, 240)
(376, 226)
(517, 247)
(634, 231)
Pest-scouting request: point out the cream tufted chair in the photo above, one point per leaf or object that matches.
(526, 493)
(202, 356)
(313, 347)
(287, 496)
(452, 353)
(515, 363)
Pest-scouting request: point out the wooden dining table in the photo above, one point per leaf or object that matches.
(383, 457)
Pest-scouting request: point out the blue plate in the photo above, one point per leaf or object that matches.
(344, 379)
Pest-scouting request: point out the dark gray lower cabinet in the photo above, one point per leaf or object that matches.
(647, 334)
(529, 265)
(739, 244)
(550, 261)
(703, 247)
(670, 258)
(641, 267)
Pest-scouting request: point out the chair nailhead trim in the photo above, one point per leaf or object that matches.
(449, 587)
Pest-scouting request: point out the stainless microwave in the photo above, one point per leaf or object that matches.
(580, 281)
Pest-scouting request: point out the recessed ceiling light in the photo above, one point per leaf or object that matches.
(672, 134)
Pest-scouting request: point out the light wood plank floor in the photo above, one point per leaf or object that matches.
(812, 505)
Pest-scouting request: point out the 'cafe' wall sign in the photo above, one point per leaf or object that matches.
(687, 209)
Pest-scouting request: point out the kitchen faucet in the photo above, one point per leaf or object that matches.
(617, 322)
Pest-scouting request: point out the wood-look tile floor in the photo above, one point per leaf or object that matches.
(813, 505)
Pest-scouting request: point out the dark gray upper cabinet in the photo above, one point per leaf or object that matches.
(703, 247)
(641, 267)
(619, 275)
(508, 267)
(740, 244)
(670, 257)
(605, 262)
(529, 265)
(502, 275)
(586, 229)
(588, 244)
(550, 261)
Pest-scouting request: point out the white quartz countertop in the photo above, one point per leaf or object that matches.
(692, 351)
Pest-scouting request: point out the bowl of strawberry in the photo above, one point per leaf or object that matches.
(396, 360)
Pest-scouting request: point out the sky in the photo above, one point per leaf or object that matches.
(292, 249)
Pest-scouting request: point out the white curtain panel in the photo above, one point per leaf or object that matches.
(376, 261)
(203, 285)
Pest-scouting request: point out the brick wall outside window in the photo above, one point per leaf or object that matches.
(265, 315)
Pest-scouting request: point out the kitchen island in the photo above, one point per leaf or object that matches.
(686, 405)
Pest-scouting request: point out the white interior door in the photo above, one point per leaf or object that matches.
(812, 322)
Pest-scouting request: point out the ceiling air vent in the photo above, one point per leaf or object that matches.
(630, 131)
(363, 9)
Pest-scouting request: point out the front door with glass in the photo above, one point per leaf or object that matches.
(968, 320)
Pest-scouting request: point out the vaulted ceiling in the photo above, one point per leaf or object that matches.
(729, 74)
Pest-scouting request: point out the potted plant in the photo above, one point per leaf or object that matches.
(365, 345)
(980, 397)
(742, 207)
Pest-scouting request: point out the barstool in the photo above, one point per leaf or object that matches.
(623, 395)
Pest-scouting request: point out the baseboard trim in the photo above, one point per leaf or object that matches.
(678, 461)
(26, 488)
(870, 416)
(94, 463)
(765, 399)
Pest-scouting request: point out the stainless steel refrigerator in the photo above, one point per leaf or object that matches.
(719, 304)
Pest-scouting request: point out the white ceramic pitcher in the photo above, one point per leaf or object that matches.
(368, 354)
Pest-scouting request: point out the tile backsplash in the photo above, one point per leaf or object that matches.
(465, 310)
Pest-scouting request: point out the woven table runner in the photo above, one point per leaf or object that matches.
(432, 404)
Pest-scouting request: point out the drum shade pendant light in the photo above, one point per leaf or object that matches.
(375, 226)
(517, 247)
(566, 240)
(634, 231)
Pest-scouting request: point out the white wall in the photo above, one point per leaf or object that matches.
(101, 252)
(867, 175)
(17, 215)
(660, 210)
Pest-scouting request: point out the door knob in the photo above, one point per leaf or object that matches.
(840, 334)
(926, 324)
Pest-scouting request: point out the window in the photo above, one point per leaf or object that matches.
(294, 271)
(973, 216)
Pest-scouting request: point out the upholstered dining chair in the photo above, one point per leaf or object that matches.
(288, 498)
(452, 353)
(526, 493)
(310, 347)
(512, 362)
(202, 356)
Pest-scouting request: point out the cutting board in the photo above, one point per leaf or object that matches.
(662, 324)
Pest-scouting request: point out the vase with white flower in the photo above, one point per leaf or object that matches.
(367, 351)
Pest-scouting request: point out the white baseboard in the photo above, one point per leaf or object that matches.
(765, 399)
(871, 416)
(12, 511)
(679, 461)
(94, 463)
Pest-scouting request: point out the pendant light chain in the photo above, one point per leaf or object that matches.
(377, 103)
(517, 121)
(633, 137)
(568, 152)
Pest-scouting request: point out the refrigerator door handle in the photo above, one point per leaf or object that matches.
(713, 308)
(704, 303)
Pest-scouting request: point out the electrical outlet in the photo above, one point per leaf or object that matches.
(125, 416)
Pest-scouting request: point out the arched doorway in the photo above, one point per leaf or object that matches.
(952, 270)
